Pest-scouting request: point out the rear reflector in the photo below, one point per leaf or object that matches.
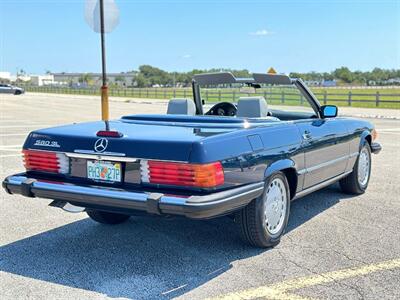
(46, 161)
(182, 174)
(109, 133)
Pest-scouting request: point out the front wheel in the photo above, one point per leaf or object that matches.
(263, 221)
(105, 217)
(357, 181)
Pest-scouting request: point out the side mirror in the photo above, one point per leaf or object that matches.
(329, 111)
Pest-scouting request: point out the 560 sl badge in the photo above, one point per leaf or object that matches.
(45, 143)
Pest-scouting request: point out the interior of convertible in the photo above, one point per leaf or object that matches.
(246, 107)
(272, 98)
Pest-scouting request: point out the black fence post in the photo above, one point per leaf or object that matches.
(377, 98)
(184, 93)
(349, 100)
(283, 97)
(219, 96)
(325, 97)
(207, 95)
(233, 96)
(174, 93)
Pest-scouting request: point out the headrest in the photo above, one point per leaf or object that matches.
(181, 107)
(252, 107)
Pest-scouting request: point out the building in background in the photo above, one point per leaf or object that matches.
(329, 83)
(5, 77)
(41, 80)
(94, 79)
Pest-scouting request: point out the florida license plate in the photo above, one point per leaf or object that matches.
(103, 170)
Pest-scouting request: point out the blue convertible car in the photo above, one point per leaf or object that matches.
(248, 160)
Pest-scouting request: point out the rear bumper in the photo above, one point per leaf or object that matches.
(196, 207)
(376, 148)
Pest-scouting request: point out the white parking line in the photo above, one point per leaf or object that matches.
(10, 149)
(15, 121)
(388, 129)
(24, 126)
(10, 155)
(10, 146)
(14, 134)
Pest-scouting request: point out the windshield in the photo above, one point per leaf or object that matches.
(287, 97)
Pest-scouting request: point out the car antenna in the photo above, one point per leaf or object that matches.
(102, 16)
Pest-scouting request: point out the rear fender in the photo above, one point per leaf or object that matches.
(365, 135)
(278, 166)
(288, 167)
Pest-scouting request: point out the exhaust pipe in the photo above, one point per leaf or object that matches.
(66, 206)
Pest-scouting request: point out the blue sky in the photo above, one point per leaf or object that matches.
(40, 35)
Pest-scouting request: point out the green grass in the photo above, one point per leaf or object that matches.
(389, 98)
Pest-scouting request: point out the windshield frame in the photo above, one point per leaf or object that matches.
(258, 78)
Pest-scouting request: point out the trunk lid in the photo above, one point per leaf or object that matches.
(152, 137)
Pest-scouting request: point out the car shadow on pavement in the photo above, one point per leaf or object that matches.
(145, 258)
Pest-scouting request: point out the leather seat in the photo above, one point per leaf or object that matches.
(181, 107)
(252, 107)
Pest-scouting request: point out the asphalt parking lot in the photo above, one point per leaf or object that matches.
(336, 247)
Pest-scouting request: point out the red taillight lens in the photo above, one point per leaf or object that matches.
(181, 174)
(46, 161)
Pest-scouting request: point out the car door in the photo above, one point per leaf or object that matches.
(326, 149)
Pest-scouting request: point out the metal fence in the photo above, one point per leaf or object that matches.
(274, 96)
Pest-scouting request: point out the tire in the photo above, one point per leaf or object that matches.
(356, 182)
(17, 93)
(104, 217)
(252, 220)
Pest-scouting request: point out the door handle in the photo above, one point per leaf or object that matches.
(307, 135)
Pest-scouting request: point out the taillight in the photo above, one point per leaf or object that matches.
(182, 174)
(46, 161)
(374, 134)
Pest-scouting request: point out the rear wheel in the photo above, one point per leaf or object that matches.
(357, 181)
(106, 217)
(264, 220)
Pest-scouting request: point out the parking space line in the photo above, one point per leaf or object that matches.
(15, 121)
(388, 129)
(10, 155)
(13, 134)
(10, 146)
(11, 149)
(24, 126)
(281, 290)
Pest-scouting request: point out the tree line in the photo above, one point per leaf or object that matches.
(148, 76)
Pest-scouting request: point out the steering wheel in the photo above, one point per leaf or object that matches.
(223, 109)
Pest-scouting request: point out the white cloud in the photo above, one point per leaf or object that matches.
(261, 32)
(186, 56)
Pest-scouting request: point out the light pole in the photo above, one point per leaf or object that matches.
(105, 114)
(102, 16)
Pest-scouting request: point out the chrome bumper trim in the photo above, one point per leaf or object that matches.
(198, 207)
(376, 147)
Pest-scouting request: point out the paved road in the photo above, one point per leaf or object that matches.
(336, 247)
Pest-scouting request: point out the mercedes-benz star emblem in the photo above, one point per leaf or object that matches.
(101, 145)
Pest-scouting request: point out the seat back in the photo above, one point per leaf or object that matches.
(252, 107)
(181, 107)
